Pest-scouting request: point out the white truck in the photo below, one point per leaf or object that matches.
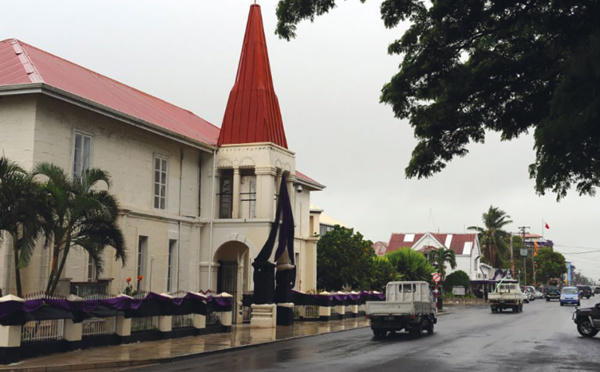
(408, 305)
(506, 296)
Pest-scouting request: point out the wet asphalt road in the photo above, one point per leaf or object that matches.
(541, 338)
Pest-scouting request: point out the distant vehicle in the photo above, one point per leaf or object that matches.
(552, 293)
(585, 290)
(597, 289)
(539, 294)
(530, 292)
(569, 296)
(527, 294)
(408, 305)
(506, 296)
(587, 320)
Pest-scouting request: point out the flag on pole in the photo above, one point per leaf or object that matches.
(546, 225)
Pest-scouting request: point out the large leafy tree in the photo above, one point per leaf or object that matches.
(493, 238)
(506, 66)
(410, 264)
(344, 259)
(21, 207)
(382, 273)
(458, 278)
(549, 264)
(82, 215)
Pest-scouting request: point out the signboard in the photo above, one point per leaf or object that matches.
(523, 252)
(436, 277)
(458, 290)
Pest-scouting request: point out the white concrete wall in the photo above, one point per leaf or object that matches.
(38, 128)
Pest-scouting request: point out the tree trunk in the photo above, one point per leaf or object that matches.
(55, 253)
(17, 270)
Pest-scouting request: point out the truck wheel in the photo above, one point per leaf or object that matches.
(521, 308)
(585, 328)
(379, 332)
(515, 309)
(429, 327)
(417, 330)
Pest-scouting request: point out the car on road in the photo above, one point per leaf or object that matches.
(531, 292)
(569, 296)
(587, 320)
(552, 293)
(539, 294)
(585, 290)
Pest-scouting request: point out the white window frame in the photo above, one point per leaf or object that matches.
(160, 177)
(82, 156)
(92, 273)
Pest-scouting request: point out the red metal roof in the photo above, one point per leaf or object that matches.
(21, 63)
(457, 242)
(252, 113)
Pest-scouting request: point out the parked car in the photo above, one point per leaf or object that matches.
(539, 294)
(585, 290)
(597, 289)
(552, 293)
(569, 296)
(587, 320)
(530, 292)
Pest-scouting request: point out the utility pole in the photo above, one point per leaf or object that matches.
(523, 228)
(512, 260)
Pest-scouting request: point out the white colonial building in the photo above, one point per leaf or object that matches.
(197, 201)
(465, 246)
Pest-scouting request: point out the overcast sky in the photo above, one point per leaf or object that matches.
(328, 81)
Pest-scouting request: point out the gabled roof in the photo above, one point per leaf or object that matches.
(461, 244)
(23, 66)
(252, 114)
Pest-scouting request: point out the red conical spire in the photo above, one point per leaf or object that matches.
(252, 113)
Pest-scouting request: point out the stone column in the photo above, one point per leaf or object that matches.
(265, 192)
(73, 334)
(123, 328)
(10, 343)
(165, 324)
(235, 213)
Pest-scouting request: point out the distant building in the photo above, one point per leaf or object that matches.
(466, 247)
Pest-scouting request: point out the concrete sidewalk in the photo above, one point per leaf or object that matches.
(110, 358)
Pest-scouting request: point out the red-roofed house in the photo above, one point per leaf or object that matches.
(465, 246)
(197, 201)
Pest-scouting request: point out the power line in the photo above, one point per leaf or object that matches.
(573, 246)
(596, 251)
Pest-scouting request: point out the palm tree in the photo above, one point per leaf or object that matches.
(81, 215)
(492, 237)
(438, 258)
(20, 209)
(410, 264)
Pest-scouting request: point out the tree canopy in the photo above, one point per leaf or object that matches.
(410, 264)
(493, 238)
(549, 264)
(438, 257)
(344, 259)
(505, 66)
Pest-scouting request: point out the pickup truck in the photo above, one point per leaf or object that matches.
(506, 296)
(408, 306)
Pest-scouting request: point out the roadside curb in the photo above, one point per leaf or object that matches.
(155, 361)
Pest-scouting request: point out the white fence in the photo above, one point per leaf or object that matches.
(181, 321)
(144, 324)
(43, 330)
(99, 326)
